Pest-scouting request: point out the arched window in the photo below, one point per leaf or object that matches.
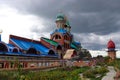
(51, 52)
(66, 45)
(66, 41)
(59, 47)
(66, 37)
(15, 50)
(56, 37)
(59, 51)
(3, 47)
(32, 51)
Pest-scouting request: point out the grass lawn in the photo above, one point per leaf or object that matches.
(57, 74)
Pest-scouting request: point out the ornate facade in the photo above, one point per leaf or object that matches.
(60, 41)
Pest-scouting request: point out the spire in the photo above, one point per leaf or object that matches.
(60, 16)
(110, 44)
(60, 20)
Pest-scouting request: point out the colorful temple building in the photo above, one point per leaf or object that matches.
(60, 41)
(60, 44)
(111, 49)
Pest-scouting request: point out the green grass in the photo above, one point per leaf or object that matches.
(58, 74)
(93, 73)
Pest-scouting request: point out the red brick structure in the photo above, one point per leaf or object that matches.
(111, 49)
(44, 53)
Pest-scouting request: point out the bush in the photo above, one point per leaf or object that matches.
(57, 74)
(93, 72)
(89, 74)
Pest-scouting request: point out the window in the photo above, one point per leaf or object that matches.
(51, 52)
(15, 50)
(56, 37)
(3, 47)
(66, 45)
(66, 37)
(32, 51)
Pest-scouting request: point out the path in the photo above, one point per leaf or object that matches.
(110, 75)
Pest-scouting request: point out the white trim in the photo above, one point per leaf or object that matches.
(16, 48)
(16, 44)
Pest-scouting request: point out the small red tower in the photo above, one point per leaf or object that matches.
(111, 49)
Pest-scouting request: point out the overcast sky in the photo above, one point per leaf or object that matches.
(93, 22)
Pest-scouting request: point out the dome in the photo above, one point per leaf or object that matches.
(60, 16)
(111, 44)
(67, 23)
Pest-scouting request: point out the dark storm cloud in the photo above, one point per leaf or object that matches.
(85, 16)
(99, 23)
(101, 17)
(93, 46)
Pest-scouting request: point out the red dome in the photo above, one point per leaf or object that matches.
(111, 44)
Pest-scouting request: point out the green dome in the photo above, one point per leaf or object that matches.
(60, 16)
(67, 23)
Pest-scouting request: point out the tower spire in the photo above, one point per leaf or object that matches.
(111, 49)
(60, 20)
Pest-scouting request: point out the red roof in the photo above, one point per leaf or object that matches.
(111, 44)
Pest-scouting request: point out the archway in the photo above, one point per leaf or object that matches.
(15, 50)
(56, 37)
(59, 51)
(51, 52)
(3, 47)
(66, 37)
(32, 51)
(59, 47)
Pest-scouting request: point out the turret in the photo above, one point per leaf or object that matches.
(68, 27)
(111, 49)
(60, 21)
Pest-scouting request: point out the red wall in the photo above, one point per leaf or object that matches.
(47, 44)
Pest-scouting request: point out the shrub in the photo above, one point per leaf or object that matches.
(89, 74)
(58, 74)
(93, 72)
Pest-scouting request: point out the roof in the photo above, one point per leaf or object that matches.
(10, 46)
(50, 41)
(74, 46)
(25, 44)
(67, 23)
(68, 54)
(77, 43)
(111, 44)
(60, 16)
(63, 31)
